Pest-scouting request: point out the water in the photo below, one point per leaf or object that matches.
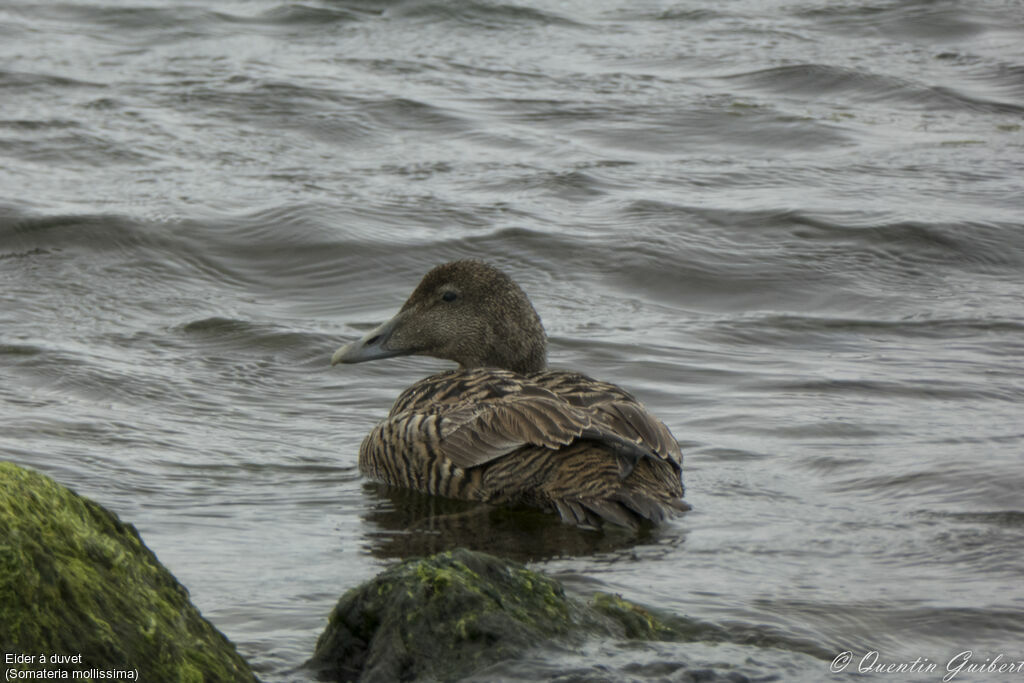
(794, 229)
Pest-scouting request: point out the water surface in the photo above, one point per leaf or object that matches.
(793, 229)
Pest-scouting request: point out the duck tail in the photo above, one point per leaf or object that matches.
(627, 509)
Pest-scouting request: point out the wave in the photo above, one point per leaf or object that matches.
(913, 20)
(868, 87)
(167, 25)
(477, 13)
(690, 257)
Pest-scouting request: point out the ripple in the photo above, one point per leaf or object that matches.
(912, 20)
(477, 14)
(866, 86)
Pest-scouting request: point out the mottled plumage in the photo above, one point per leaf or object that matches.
(501, 428)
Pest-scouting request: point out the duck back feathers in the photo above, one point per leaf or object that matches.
(501, 428)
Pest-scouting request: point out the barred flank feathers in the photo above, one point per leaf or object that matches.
(584, 449)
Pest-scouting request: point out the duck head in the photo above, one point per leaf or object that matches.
(465, 311)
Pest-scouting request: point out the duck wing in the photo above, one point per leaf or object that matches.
(475, 433)
(473, 417)
(614, 411)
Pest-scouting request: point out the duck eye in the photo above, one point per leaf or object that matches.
(449, 296)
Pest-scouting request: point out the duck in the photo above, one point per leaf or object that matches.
(502, 428)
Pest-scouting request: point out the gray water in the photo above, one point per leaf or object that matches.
(794, 229)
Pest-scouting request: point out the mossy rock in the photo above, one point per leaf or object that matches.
(439, 618)
(75, 580)
(448, 615)
(453, 614)
(633, 621)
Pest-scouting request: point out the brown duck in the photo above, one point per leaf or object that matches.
(502, 428)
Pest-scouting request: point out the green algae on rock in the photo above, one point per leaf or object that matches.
(439, 618)
(445, 616)
(453, 614)
(75, 580)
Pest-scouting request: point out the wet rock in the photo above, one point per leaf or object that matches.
(439, 617)
(80, 590)
(452, 614)
(464, 614)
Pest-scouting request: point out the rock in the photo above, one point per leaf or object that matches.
(79, 588)
(439, 618)
(445, 616)
(456, 613)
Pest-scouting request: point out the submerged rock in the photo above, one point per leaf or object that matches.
(456, 613)
(79, 588)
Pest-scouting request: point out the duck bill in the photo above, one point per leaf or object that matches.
(373, 346)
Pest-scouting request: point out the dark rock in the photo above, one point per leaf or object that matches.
(439, 617)
(460, 613)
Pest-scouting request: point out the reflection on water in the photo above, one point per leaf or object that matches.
(407, 523)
